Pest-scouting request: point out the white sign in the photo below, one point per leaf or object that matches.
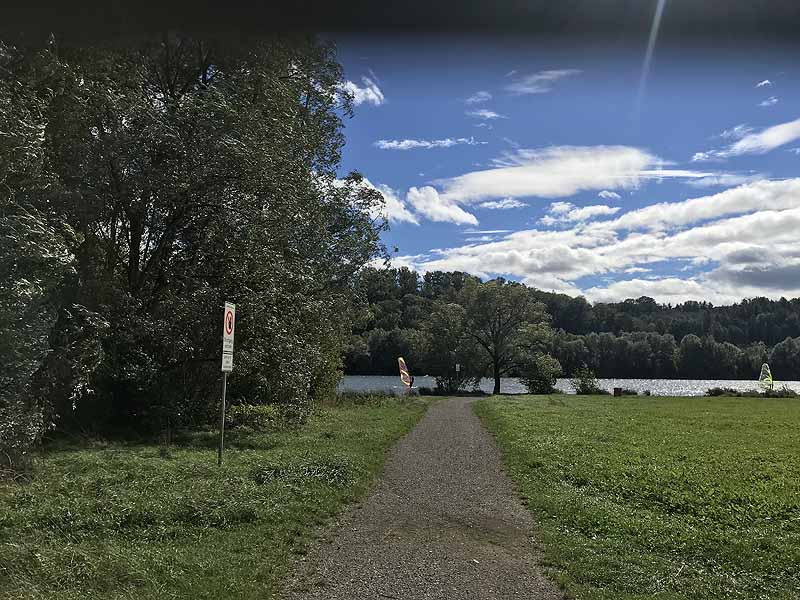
(458, 367)
(228, 330)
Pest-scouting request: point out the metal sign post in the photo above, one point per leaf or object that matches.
(228, 325)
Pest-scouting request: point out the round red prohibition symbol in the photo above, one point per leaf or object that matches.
(229, 322)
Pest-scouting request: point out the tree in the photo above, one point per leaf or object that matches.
(495, 312)
(539, 372)
(451, 345)
(190, 171)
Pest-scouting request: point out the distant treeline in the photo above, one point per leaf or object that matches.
(637, 338)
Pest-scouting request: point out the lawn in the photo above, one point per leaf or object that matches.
(113, 520)
(659, 498)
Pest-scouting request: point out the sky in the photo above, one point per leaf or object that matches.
(573, 168)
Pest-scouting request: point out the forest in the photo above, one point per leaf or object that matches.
(637, 338)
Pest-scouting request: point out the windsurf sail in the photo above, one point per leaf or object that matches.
(405, 375)
(765, 379)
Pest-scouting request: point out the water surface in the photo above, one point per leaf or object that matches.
(512, 385)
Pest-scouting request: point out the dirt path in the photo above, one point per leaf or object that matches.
(443, 522)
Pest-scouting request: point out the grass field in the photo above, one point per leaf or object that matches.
(657, 498)
(126, 521)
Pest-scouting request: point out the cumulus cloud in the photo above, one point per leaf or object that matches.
(560, 171)
(370, 93)
(539, 83)
(504, 204)
(741, 243)
(425, 144)
(760, 195)
(607, 195)
(394, 209)
(765, 83)
(485, 114)
(771, 101)
(427, 202)
(478, 97)
(759, 142)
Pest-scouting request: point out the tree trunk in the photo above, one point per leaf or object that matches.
(496, 379)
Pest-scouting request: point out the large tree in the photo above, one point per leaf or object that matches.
(188, 172)
(496, 311)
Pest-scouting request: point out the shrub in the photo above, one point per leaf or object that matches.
(783, 392)
(585, 383)
(539, 373)
(256, 417)
(426, 391)
(629, 392)
(364, 398)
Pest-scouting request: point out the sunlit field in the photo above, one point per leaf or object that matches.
(659, 497)
(141, 521)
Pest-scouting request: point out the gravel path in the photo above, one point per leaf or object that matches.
(443, 522)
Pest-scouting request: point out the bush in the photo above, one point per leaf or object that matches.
(256, 417)
(585, 383)
(539, 373)
(363, 398)
(630, 392)
(783, 392)
(426, 391)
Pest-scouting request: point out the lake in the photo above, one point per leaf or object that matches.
(511, 385)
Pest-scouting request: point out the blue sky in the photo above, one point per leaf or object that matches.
(548, 163)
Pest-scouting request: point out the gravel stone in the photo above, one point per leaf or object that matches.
(443, 522)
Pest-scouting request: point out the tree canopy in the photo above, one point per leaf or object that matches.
(144, 184)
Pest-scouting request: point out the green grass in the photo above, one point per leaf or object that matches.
(122, 521)
(659, 498)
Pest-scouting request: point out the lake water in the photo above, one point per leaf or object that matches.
(511, 385)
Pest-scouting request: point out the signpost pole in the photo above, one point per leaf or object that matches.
(228, 324)
(222, 419)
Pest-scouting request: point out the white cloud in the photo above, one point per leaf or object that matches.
(737, 132)
(768, 139)
(427, 202)
(539, 83)
(504, 204)
(757, 143)
(425, 144)
(394, 210)
(794, 150)
(667, 290)
(771, 101)
(765, 83)
(560, 171)
(484, 113)
(724, 180)
(481, 238)
(486, 231)
(370, 93)
(760, 195)
(478, 97)
(607, 195)
(742, 243)
(566, 212)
